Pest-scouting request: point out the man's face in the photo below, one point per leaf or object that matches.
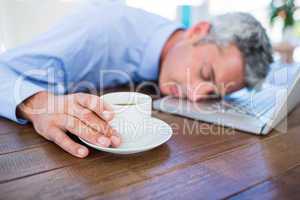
(201, 71)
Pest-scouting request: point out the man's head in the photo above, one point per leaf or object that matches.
(223, 55)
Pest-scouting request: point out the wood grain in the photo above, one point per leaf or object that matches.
(201, 161)
(7, 126)
(30, 159)
(222, 175)
(285, 186)
(19, 141)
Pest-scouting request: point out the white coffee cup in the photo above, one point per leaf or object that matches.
(131, 113)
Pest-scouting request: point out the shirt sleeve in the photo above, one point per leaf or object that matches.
(143, 36)
(47, 63)
(149, 69)
(95, 37)
(14, 89)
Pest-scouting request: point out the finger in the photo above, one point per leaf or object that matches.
(65, 142)
(92, 120)
(115, 139)
(78, 128)
(95, 104)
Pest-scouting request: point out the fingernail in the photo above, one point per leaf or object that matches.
(82, 152)
(103, 141)
(107, 115)
(115, 140)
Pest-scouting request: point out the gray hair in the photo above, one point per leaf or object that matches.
(243, 30)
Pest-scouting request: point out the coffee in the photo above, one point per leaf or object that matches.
(125, 104)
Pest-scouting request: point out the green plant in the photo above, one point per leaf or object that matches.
(285, 10)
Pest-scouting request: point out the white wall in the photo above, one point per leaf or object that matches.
(22, 20)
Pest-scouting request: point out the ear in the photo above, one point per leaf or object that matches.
(198, 31)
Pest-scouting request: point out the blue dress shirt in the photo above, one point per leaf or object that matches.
(100, 44)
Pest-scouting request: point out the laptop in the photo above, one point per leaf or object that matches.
(256, 112)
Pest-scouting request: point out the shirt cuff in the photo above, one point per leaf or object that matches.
(149, 69)
(25, 91)
(13, 91)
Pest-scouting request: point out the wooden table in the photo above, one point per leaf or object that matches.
(201, 161)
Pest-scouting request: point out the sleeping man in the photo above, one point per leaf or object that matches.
(102, 45)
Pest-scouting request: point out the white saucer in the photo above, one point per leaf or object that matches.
(157, 133)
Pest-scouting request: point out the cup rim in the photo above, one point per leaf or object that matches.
(108, 96)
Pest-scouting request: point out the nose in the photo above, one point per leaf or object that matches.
(201, 91)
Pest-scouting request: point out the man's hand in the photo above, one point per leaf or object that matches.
(83, 115)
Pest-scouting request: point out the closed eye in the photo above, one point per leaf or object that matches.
(209, 76)
(203, 76)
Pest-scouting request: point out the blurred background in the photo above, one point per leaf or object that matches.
(22, 20)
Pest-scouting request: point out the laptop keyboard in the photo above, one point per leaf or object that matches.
(255, 105)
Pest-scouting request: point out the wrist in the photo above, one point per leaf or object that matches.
(31, 106)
